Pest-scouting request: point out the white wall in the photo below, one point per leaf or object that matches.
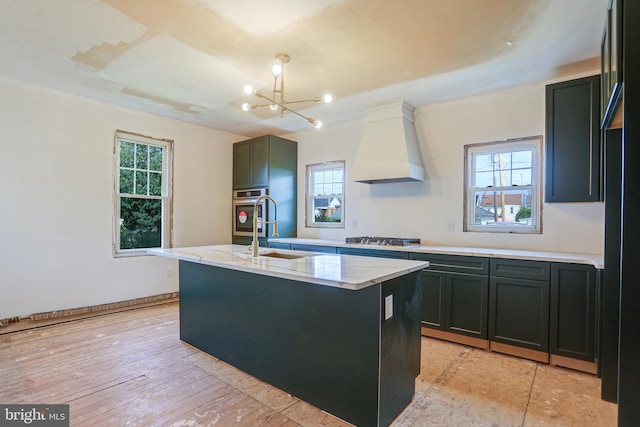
(56, 188)
(421, 209)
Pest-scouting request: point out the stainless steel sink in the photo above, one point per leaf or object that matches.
(281, 255)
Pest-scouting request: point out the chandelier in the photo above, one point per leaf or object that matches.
(277, 100)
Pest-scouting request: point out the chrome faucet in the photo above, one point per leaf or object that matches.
(254, 243)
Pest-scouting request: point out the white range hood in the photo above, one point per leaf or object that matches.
(389, 149)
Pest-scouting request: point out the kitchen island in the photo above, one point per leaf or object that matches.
(337, 331)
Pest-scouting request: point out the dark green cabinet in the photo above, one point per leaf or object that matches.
(251, 163)
(519, 307)
(382, 253)
(278, 245)
(455, 299)
(269, 162)
(573, 311)
(528, 308)
(313, 248)
(573, 141)
(433, 299)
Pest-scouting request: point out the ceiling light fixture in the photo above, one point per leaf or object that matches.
(277, 100)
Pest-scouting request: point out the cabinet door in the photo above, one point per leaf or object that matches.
(260, 162)
(466, 304)
(573, 141)
(242, 165)
(433, 294)
(519, 312)
(573, 307)
(251, 163)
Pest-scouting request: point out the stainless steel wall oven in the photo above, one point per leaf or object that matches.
(243, 205)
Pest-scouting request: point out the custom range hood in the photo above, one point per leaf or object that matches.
(389, 149)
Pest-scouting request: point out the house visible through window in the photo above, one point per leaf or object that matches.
(142, 193)
(325, 195)
(503, 189)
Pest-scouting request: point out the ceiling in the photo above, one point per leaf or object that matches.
(189, 59)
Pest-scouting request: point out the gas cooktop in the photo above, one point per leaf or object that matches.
(383, 241)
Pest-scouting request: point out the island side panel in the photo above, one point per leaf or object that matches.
(400, 345)
(318, 343)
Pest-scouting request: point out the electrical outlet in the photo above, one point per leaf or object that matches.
(388, 307)
(449, 225)
(170, 271)
(354, 223)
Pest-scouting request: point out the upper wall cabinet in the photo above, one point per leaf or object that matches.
(573, 141)
(259, 162)
(251, 163)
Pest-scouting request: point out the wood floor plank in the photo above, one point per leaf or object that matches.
(131, 369)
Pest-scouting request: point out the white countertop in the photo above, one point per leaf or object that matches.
(591, 259)
(343, 271)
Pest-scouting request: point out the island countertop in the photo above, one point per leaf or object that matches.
(342, 271)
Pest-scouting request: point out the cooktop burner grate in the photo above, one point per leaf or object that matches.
(383, 241)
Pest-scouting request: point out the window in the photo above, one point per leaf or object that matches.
(503, 188)
(325, 195)
(142, 199)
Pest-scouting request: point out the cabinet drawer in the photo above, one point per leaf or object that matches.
(520, 269)
(453, 263)
(381, 253)
(314, 248)
(278, 245)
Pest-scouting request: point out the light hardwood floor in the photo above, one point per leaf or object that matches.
(131, 369)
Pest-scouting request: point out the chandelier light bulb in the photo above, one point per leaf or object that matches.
(277, 101)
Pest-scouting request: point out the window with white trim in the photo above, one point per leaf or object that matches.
(503, 186)
(324, 205)
(142, 199)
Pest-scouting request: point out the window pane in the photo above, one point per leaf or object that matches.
(337, 188)
(483, 162)
(484, 179)
(493, 207)
(155, 158)
(141, 156)
(318, 177)
(327, 209)
(338, 175)
(140, 223)
(126, 154)
(126, 181)
(328, 176)
(155, 184)
(522, 159)
(141, 182)
(502, 178)
(318, 189)
(522, 177)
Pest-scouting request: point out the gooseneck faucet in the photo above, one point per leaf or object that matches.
(254, 243)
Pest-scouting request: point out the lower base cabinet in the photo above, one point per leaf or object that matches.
(519, 307)
(540, 310)
(519, 313)
(454, 300)
(573, 328)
